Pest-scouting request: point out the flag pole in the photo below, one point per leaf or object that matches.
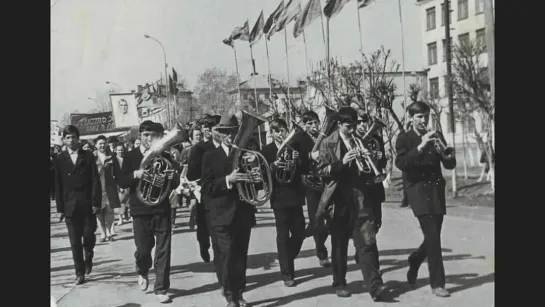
(288, 71)
(403, 57)
(269, 69)
(255, 93)
(326, 43)
(238, 77)
(361, 48)
(306, 54)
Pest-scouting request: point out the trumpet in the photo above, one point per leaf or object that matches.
(445, 151)
(364, 161)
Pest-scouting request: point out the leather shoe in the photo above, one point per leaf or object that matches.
(343, 293)
(441, 292)
(88, 264)
(242, 302)
(163, 298)
(232, 304)
(289, 283)
(324, 263)
(143, 282)
(80, 280)
(379, 293)
(205, 255)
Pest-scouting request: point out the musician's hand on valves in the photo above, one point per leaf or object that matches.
(315, 155)
(349, 156)
(295, 154)
(279, 164)
(249, 157)
(235, 176)
(427, 138)
(138, 173)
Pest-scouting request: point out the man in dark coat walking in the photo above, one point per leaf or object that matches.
(78, 196)
(425, 187)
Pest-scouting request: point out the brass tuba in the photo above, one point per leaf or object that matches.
(258, 173)
(313, 180)
(366, 146)
(158, 175)
(286, 165)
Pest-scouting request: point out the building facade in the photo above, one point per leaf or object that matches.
(467, 24)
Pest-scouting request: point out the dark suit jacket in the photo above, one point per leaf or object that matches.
(196, 154)
(424, 182)
(106, 173)
(225, 205)
(125, 180)
(284, 195)
(77, 187)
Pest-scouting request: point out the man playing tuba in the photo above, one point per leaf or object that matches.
(231, 220)
(151, 224)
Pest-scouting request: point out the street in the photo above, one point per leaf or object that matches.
(468, 251)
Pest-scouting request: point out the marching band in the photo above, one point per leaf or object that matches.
(336, 168)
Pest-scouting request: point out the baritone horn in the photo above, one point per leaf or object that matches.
(286, 166)
(159, 173)
(252, 163)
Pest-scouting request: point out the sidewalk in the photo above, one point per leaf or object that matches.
(468, 255)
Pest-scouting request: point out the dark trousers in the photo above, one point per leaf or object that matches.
(354, 217)
(153, 231)
(52, 185)
(203, 233)
(81, 227)
(319, 231)
(290, 234)
(431, 249)
(232, 242)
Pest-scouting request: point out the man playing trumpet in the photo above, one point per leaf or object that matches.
(351, 191)
(421, 164)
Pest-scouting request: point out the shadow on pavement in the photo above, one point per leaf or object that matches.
(71, 266)
(60, 249)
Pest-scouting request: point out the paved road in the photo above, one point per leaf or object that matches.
(468, 254)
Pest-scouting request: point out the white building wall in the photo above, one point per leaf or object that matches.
(474, 22)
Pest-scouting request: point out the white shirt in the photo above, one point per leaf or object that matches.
(101, 156)
(143, 149)
(226, 150)
(216, 144)
(73, 155)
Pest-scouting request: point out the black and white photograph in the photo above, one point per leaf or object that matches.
(272, 153)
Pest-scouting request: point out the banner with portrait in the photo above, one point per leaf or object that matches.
(124, 110)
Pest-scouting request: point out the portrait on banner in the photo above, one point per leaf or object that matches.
(124, 110)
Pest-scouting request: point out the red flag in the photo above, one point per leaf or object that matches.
(268, 28)
(333, 7)
(292, 10)
(257, 30)
(311, 11)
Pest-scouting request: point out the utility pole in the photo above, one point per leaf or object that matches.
(490, 48)
(446, 4)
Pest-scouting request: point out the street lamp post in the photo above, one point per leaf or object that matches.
(166, 74)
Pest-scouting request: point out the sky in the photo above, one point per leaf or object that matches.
(103, 40)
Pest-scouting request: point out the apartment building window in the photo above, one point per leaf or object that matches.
(462, 10)
(479, 7)
(463, 40)
(430, 18)
(434, 87)
(432, 53)
(443, 15)
(481, 39)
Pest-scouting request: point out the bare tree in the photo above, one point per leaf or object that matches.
(471, 88)
(102, 101)
(212, 90)
(65, 120)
